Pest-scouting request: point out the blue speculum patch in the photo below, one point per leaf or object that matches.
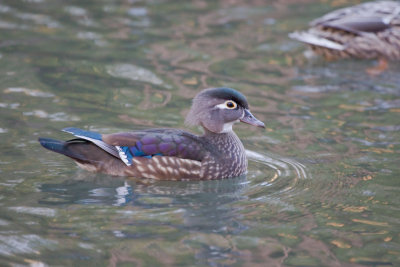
(80, 132)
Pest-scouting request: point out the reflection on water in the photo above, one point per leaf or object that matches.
(206, 207)
(322, 187)
(120, 192)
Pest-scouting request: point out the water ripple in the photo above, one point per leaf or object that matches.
(30, 243)
(285, 175)
(132, 72)
(41, 211)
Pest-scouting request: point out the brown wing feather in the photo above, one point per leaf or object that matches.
(369, 30)
(121, 139)
(359, 25)
(164, 168)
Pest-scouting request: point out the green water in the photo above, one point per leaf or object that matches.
(323, 184)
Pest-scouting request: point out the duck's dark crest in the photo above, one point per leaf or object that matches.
(227, 94)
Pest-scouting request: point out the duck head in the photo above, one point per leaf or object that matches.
(217, 109)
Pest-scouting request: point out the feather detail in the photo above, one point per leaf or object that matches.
(166, 168)
(161, 142)
(93, 137)
(125, 155)
(369, 30)
(312, 39)
(82, 133)
(146, 144)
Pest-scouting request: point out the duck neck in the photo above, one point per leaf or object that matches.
(224, 141)
(229, 155)
(211, 135)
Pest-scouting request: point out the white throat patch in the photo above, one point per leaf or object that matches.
(227, 127)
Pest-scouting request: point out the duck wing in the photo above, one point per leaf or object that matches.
(370, 17)
(146, 143)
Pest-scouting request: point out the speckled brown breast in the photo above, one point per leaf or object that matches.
(230, 161)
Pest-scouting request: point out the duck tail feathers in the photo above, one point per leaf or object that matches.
(63, 148)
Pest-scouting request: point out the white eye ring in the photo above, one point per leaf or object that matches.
(230, 104)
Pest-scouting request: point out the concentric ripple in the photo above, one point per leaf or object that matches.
(271, 174)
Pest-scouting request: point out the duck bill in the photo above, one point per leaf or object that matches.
(250, 119)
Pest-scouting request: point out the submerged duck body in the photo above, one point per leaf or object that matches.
(169, 154)
(368, 31)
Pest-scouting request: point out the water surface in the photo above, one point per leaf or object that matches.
(323, 182)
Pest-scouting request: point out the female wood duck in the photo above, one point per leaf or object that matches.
(169, 154)
(370, 30)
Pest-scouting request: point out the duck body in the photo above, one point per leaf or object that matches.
(370, 30)
(169, 154)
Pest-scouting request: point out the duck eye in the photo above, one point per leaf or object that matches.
(230, 104)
